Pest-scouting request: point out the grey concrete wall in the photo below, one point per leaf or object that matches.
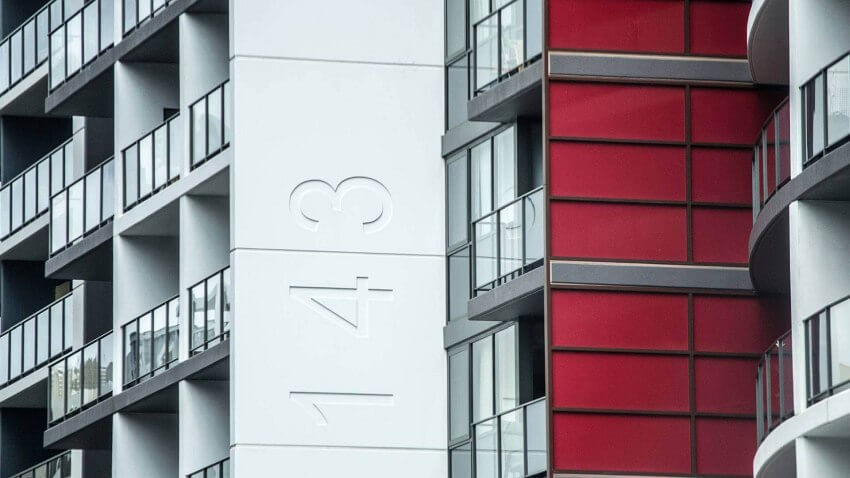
(145, 445)
(204, 423)
(20, 439)
(23, 141)
(23, 291)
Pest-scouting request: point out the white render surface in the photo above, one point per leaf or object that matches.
(337, 365)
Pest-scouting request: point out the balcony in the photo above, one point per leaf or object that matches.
(210, 311)
(772, 156)
(82, 207)
(153, 162)
(774, 386)
(83, 37)
(137, 12)
(825, 110)
(39, 338)
(210, 124)
(218, 470)
(80, 379)
(151, 342)
(506, 41)
(827, 356)
(60, 466)
(508, 242)
(27, 196)
(511, 444)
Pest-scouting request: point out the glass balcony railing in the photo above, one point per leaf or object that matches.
(26, 48)
(509, 241)
(511, 444)
(210, 311)
(80, 379)
(151, 342)
(82, 207)
(210, 124)
(41, 337)
(774, 386)
(80, 39)
(57, 467)
(137, 12)
(825, 110)
(27, 196)
(827, 355)
(772, 156)
(153, 162)
(218, 470)
(506, 40)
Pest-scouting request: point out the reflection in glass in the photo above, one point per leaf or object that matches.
(90, 28)
(504, 159)
(457, 91)
(160, 156)
(486, 52)
(75, 211)
(108, 189)
(818, 359)
(145, 344)
(814, 98)
(198, 314)
(57, 391)
(73, 367)
(458, 219)
(214, 123)
(461, 461)
(92, 199)
(145, 166)
(160, 337)
(57, 57)
(4, 358)
(507, 387)
(131, 178)
(510, 238)
(455, 27)
(173, 328)
(838, 100)
(199, 132)
(212, 306)
(91, 373)
(42, 336)
(512, 42)
(482, 378)
(15, 352)
(512, 449)
(29, 345)
(534, 218)
(75, 44)
(486, 267)
(131, 367)
(105, 365)
(482, 195)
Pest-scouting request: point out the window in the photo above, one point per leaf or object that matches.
(506, 370)
(455, 27)
(458, 217)
(813, 107)
(459, 395)
(457, 91)
(482, 378)
(459, 287)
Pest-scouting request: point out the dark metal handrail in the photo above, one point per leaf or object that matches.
(159, 179)
(201, 153)
(60, 379)
(762, 191)
(496, 422)
(222, 321)
(60, 463)
(528, 57)
(135, 374)
(62, 67)
(219, 466)
(138, 16)
(767, 419)
(97, 184)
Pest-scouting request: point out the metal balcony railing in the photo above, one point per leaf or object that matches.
(210, 128)
(825, 111)
(57, 467)
(210, 311)
(511, 444)
(774, 386)
(772, 156)
(82, 207)
(508, 241)
(80, 379)
(827, 357)
(27, 196)
(505, 41)
(217, 470)
(80, 39)
(39, 338)
(151, 342)
(137, 12)
(26, 48)
(153, 162)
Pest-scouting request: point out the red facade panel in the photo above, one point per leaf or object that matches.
(655, 26)
(721, 175)
(618, 231)
(721, 235)
(729, 116)
(598, 170)
(725, 385)
(725, 446)
(590, 110)
(586, 380)
(591, 442)
(741, 325)
(619, 320)
(719, 28)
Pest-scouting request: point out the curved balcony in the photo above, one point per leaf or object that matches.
(774, 386)
(767, 41)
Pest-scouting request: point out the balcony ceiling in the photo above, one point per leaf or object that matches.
(767, 41)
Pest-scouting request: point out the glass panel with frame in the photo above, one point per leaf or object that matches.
(459, 395)
(813, 101)
(839, 343)
(817, 355)
(838, 101)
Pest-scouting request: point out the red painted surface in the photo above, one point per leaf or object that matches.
(721, 235)
(719, 28)
(743, 325)
(619, 320)
(722, 175)
(617, 25)
(729, 116)
(725, 385)
(620, 381)
(618, 231)
(591, 110)
(725, 446)
(591, 442)
(597, 170)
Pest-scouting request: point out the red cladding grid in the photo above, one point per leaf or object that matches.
(721, 175)
(729, 116)
(743, 325)
(619, 321)
(654, 26)
(600, 380)
(721, 235)
(725, 385)
(725, 446)
(597, 170)
(618, 231)
(589, 110)
(591, 442)
(719, 28)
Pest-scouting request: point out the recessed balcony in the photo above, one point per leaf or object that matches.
(80, 379)
(80, 39)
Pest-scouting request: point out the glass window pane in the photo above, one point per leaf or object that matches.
(4, 70)
(144, 9)
(482, 176)
(42, 35)
(818, 368)
(29, 345)
(56, 334)
(108, 200)
(228, 113)
(56, 18)
(213, 308)
(29, 47)
(145, 166)
(813, 93)
(74, 28)
(511, 236)
(5, 199)
(74, 364)
(459, 395)
(68, 317)
(512, 43)
(198, 314)
(199, 132)
(43, 186)
(482, 379)
(458, 283)
(17, 203)
(457, 94)
(504, 159)
(458, 218)
(486, 267)
(57, 171)
(160, 337)
(129, 14)
(15, 349)
(92, 200)
(4, 358)
(72, 7)
(30, 189)
(507, 386)
(214, 123)
(68, 162)
(42, 341)
(461, 461)
(173, 329)
(131, 366)
(160, 157)
(107, 17)
(839, 331)
(227, 291)
(90, 31)
(534, 219)
(145, 344)
(478, 9)
(57, 57)
(486, 52)
(455, 27)
(486, 450)
(57, 391)
(213, 472)
(91, 372)
(75, 211)
(131, 178)
(58, 224)
(16, 44)
(175, 147)
(533, 27)
(105, 364)
(838, 100)
(512, 438)
(535, 424)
